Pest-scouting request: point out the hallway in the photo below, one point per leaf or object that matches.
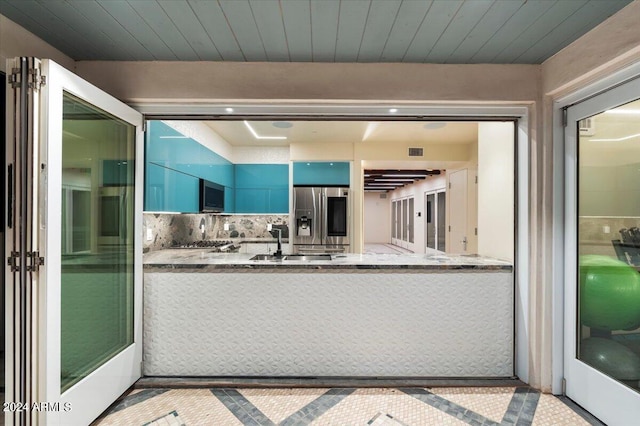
(344, 406)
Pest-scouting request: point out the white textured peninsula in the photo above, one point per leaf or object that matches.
(212, 314)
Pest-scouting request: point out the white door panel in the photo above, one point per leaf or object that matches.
(602, 285)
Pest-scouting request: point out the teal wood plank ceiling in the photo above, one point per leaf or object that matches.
(420, 31)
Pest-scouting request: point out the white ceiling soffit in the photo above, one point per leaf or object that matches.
(264, 133)
(413, 31)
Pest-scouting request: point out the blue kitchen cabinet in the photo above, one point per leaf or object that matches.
(262, 188)
(170, 190)
(321, 173)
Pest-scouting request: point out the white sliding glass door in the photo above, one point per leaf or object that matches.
(602, 257)
(83, 186)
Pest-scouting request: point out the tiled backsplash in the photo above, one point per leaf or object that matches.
(171, 229)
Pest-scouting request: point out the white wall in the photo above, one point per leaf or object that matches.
(377, 218)
(496, 190)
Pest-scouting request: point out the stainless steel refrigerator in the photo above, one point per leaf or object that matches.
(321, 219)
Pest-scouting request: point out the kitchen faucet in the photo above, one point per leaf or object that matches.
(278, 253)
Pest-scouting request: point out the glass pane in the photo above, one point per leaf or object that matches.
(393, 219)
(431, 221)
(609, 243)
(410, 230)
(98, 157)
(398, 220)
(337, 216)
(404, 220)
(441, 220)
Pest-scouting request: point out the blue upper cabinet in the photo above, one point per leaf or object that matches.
(174, 164)
(321, 173)
(262, 188)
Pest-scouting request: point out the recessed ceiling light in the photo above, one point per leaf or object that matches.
(393, 110)
(229, 109)
(434, 125)
(282, 124)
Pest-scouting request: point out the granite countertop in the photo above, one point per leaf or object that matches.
(203, 260)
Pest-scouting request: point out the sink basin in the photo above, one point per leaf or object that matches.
(307, 257)
(294, 257)
(264, 257)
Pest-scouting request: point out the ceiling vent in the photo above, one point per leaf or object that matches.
(383, 195)
(587, 127)
(416, 152)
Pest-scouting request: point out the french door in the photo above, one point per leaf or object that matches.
(402, 217)
(435, 208)
(602, 254)
(74, 302)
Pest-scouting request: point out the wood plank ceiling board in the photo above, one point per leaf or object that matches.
(324, 30)
(585, 18)
(243, 25)
(101, 20)
(185, 19)
(409, 18)
(351, 23)
(162, 25)
(52, 24)
(133, 23)
(215, 24)
(465, 20)
(415, 31)
(511, 29)
(297, 26)
(437, 20)
(380, 19)
(37, 27)
(553, 17)
(499, 13)
(104, 46)
(271, 27)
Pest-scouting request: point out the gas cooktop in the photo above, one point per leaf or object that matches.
(215, 245)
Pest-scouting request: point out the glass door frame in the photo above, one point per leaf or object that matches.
(94, 393)
(607, 399)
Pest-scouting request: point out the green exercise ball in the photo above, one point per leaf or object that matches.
(609, 294)
(610, 357)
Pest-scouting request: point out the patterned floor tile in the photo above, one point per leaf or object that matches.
(171, 419)
(195, 407)
(278, 404)
(489, 402)
(364, 404)
(552, 411)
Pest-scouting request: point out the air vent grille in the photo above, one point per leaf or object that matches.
(416, 152)
(383, 195)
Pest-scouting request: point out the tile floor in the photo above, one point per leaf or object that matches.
(344, 406)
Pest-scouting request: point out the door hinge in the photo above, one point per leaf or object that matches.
(476, 179)
(476, 231)
(449, 185)
(564, 386)
(12, 261)
(36, 261)
(14, 78)
(449, 228)
(37, 80)
(564, 117)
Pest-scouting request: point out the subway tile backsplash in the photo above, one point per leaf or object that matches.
(168, 230)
